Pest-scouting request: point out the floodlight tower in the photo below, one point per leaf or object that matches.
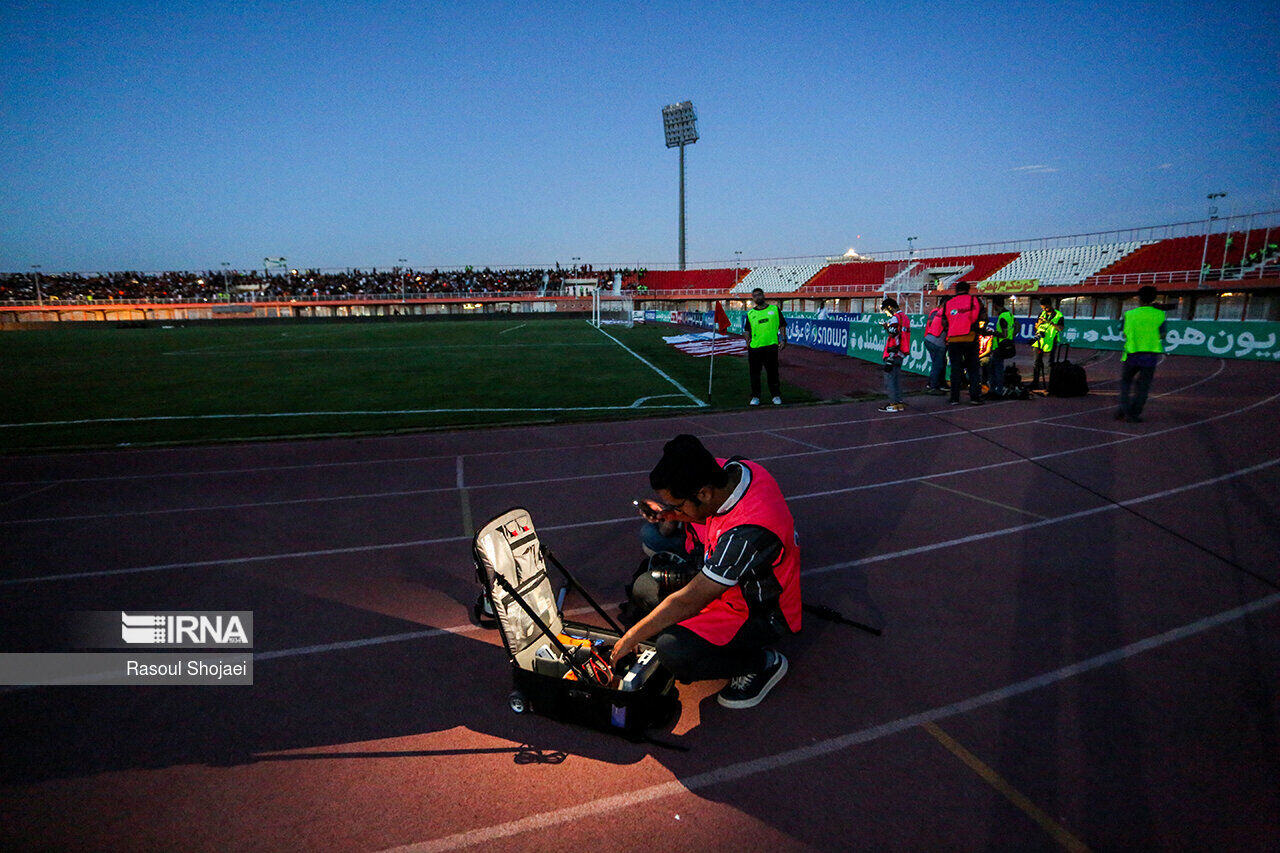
(1213, 214)
(681, 127)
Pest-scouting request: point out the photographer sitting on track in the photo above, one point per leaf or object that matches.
(746, 596)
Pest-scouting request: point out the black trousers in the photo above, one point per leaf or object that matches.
(1135, 382)
(1040, 370)
(766, 357)
(691, 658)
(964, 363)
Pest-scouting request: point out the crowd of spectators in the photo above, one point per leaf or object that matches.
(257, 285)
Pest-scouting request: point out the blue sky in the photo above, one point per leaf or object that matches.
(174, 135)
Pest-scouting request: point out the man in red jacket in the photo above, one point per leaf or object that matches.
(965, 315)
(723, 622)
(935, 343)
(897, 347)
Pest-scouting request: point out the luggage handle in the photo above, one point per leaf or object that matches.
(546, 553)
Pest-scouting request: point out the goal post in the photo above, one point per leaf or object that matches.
(610, 310)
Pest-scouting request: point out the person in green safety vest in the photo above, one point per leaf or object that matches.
(1048, 327)
(765, 330)
(1002, 343)
(1143, 343)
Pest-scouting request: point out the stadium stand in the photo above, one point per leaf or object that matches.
(850, 274)
(932, 272)
(214, 286)
(983, 267)
(1065, 266)
(777, 279)
(1245, 252)
(664, 280)
(1151, 257)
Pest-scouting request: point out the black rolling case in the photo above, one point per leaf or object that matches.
(560, 668)
(1067, 379)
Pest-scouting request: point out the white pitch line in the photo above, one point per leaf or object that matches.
(353, 413)
(779, 760)
(652, 367)
(574, 448)
(866, 486)
(287, 351)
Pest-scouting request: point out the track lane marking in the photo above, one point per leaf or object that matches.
(810, 445)
(468, 527)
(982, 499)
(260, 558)
(1010, 793)
(1091, 429)
(820, 749)
(578, 477)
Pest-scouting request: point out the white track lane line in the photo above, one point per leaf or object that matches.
(610, 474)
(577, 525)
(781, 760)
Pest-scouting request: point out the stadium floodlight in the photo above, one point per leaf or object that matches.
(1208, 226)
(680, 124)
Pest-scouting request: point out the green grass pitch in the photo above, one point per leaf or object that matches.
(101, 385)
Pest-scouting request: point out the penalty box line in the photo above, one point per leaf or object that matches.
(641, 403)
(654, 368)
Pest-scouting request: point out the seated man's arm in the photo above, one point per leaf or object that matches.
(680, 605)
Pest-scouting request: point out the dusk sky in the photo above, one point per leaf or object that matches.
(175, 135)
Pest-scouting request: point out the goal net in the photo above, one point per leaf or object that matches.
(610, 310)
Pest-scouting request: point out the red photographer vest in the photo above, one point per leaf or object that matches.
(900, 342)
(935, 325)
(961, 321)
(762, 505)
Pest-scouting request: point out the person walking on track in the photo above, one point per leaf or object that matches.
(1143, 343)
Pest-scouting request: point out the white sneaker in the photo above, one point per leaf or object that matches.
(777, 401)
(755, 401)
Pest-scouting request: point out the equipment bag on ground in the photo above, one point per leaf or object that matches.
(561, 669)
(1067, 379)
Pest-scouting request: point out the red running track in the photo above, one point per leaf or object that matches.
(1080, 637)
